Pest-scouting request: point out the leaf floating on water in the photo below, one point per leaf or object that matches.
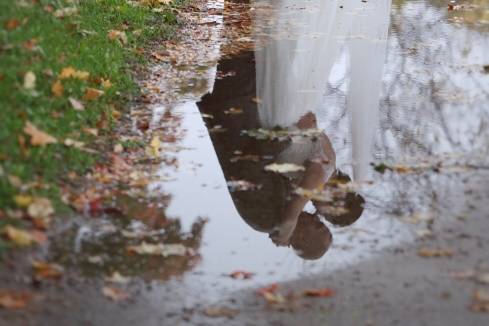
(159, 249)
(115, 294)
(216, 312)
(241, 275)
(116, 277)
(45, 270)
(14, 300)
(281, 134)
(428, 253)
(480, 301)
(242, 185)
(319, 293)
(38, 137)
(233, 111)
(284, 167)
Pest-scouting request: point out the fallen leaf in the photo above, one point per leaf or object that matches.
(271, 288)
(70, 72)
(73, 143)
(92, 94)
(23, 200)
(155, 146)
(115, 294)
(75, 104)
(45, 270)
(20, 237)
(242, 185)
(319, 293)
(241, 275)
(274, 298)
(12, 24)
(14, 300)
(284, 167)
(428, 253)
(216, 312)
(483, 278)
(159, 249)
(118, 148)
(40, 208)
(233, 111)
(29, 81)
(38, 137)
(116, 277)
(57, 88)
(117, 35)
(106, 84)
(65, 12)
(480, 301)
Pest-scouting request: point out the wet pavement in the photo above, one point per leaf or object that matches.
(380, 110)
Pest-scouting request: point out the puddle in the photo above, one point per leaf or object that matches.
(357, 84)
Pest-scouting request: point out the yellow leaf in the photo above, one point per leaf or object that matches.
(66, 73)
(155, 146)
(22, 200)
(117, 35)
(38, 137)
(92, 94)
(57, 88)
(106, 83)
(70, 72)
(19, 237)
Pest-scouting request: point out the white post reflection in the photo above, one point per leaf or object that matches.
(305, 39)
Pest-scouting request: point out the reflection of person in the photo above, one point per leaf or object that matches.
(274, 208)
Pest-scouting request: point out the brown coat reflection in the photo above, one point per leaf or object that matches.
(273, 208)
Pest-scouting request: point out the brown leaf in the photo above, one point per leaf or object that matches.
(14, 300)
(57, 88)
(38, 137)
(92, 94)
(45, 270)
(12, 24)
(428, 253)
(216, 312)
(114, 293)
(241, 275)
(319, 293)
(117, 35)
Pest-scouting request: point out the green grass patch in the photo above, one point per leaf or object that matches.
(43, 37)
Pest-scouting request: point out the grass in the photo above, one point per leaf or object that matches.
(39, 37)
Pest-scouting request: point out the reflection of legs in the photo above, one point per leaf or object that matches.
(367, 55)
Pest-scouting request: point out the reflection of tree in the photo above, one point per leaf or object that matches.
(101, 247)
(434, 101)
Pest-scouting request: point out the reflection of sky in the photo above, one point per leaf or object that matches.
(432, 101)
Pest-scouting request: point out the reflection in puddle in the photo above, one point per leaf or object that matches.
(281, 85)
